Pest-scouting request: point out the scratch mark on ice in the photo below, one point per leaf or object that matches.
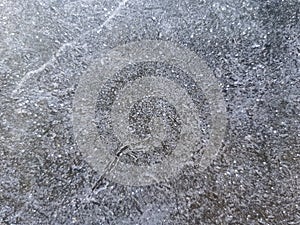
(62, 48)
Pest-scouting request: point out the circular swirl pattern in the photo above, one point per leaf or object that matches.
(143, 110)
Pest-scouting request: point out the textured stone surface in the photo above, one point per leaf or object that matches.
(251, 47)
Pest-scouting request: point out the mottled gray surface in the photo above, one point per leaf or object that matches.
(253, 49)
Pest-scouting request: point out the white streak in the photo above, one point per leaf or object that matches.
(61, 49)
(41, 68)
(113, 14)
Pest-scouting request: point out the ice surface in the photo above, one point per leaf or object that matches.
(252, 48)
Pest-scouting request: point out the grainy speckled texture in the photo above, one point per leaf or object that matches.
(253, 49)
